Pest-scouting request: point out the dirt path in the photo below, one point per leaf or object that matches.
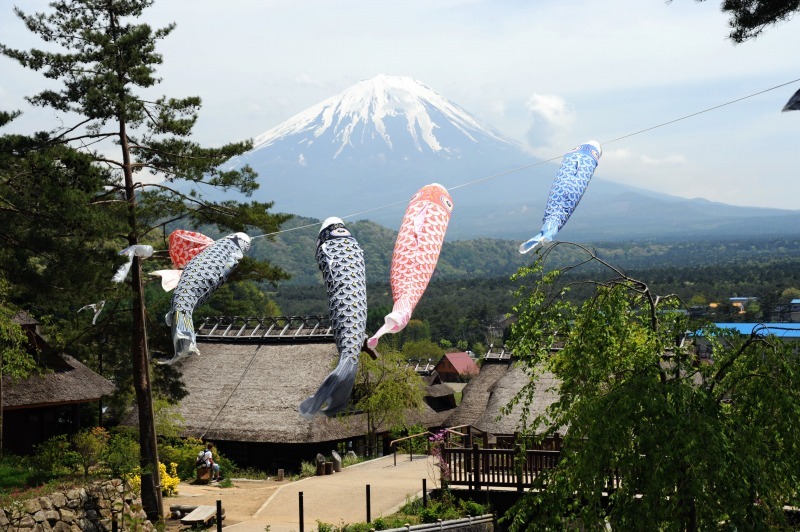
(240, 502)
(252, 505)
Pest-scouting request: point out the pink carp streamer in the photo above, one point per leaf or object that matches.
(416, 252)
(185, 245)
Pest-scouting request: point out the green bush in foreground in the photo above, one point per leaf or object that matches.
(444, 507)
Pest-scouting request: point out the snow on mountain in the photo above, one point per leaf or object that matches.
(385, 117)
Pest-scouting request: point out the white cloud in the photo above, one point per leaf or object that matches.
(551, 124)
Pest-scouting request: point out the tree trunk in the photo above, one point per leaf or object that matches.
(148, 456)
(2, 417)
(148, 449)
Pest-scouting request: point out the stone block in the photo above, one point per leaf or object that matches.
(59, 500)
(52, 516)
(25, 522)
(32, 506)
(45, 503)
(39, 516)
(68, 516)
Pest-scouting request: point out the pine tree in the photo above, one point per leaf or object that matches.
(106, 66)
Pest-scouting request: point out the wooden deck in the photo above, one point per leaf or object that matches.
(505, 468)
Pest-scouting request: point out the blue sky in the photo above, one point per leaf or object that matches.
(550, 74)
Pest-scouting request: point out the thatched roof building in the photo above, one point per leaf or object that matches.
(486, 395)
(504, 390)
(65, 381)
(244, 392)
(249, 392)
(48, 402)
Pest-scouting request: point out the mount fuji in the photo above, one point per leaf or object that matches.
(363, 153)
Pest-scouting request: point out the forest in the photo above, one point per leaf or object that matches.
(472, 291)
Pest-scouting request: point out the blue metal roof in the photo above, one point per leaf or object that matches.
(782, 330)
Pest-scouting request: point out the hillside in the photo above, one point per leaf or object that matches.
(293, 250)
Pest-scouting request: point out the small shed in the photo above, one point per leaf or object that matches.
(47, 403)
(457, 367)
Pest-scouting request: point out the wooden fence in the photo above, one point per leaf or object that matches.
(478, 468)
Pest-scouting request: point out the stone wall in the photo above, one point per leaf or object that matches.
(86, 509)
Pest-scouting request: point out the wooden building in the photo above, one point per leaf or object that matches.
(456, 367)
(48, 402)
(245, 387)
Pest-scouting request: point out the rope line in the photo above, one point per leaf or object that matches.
(241, 378)
(558, 157)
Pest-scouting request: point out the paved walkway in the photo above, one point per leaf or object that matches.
(341, 497)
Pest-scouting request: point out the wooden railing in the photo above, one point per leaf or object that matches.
(478, 467)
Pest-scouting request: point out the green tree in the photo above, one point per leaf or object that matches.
(696, 446)
(790, 293)
(749, 18)
(15, 360)
(106, 65)
(91, 446)
(386, 390)
(422, 349)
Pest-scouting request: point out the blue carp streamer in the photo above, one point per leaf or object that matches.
(570, 183)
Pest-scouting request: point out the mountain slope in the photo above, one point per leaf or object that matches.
(366, 151)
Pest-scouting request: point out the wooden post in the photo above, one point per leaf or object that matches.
(476, 466)
(369, 512)
(219, 515)
(518, 458)
(424, 492)
(301, 511)
(280, 474)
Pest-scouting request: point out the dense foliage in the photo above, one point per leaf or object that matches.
(676, 442)
(102, 59)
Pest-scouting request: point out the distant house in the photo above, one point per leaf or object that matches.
(794, 310)
(47, 403)
(245, 387)
(741, 302)
(456, 367)
(439, 396)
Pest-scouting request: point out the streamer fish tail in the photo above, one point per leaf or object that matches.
(334, 391)
(183, 335)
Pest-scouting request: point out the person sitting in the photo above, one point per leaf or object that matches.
(207, 460)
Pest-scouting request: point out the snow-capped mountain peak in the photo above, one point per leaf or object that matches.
(382, 113)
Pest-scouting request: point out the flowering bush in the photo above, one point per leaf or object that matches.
(169, 480)
(442, 468)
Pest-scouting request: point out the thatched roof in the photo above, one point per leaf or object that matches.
(484, 397)
(475, 395)
(439, 390)
(67, 381)
(504, 389)
(250, 392)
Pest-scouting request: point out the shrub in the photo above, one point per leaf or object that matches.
(169, 480)
(122, 454)
(90, 445)
(55, 457)
(307, 469)
(183, 452)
